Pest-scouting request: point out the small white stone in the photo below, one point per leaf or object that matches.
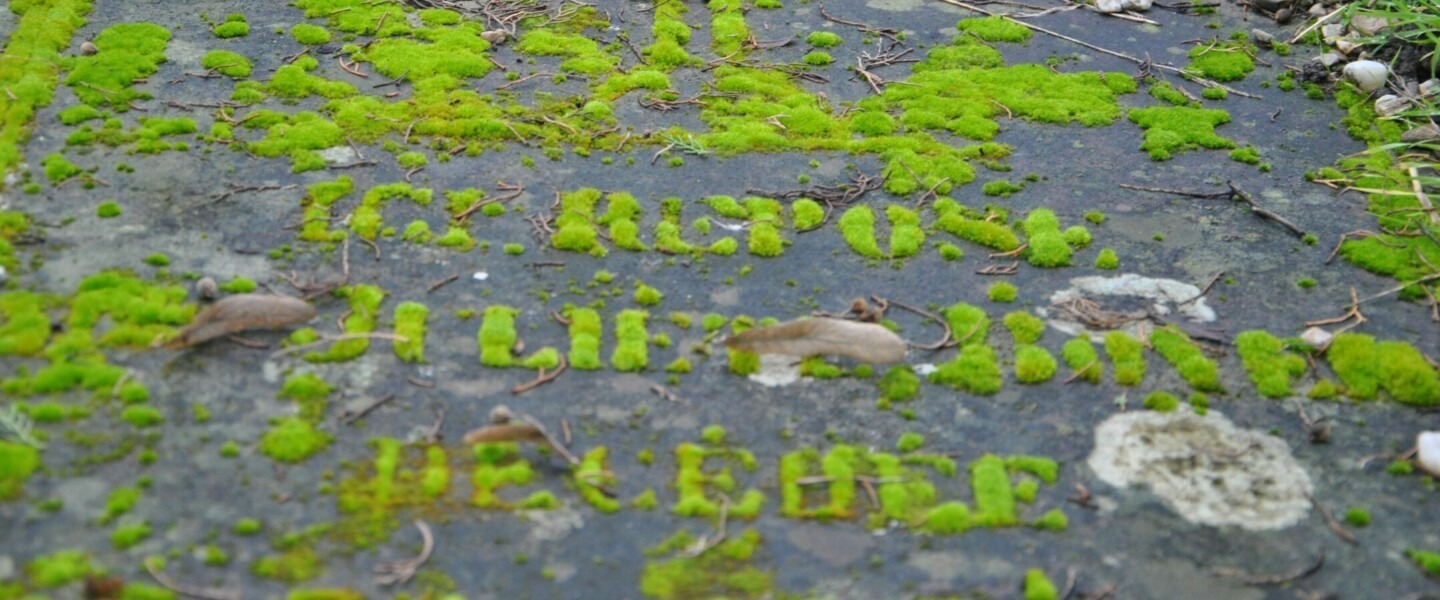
(1316, 337)
(1110, 6)
(481, 276)
(1141, 5)
(1346, 46)
(1427, 453)
(1430, 86)
(1368, 75)
(1329, 59)
(1390, 104)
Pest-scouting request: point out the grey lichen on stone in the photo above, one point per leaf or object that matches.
(1207, 469)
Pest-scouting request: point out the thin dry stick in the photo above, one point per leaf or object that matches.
(1082, 371)
(1331, 522)
(186, 590)
(944, 339)
(542, 379)
(439, 284)
(402, 570)
(1037, 28)
(1420, 196)
(1272, 579)
(1427, 278)
(347, 417)
(707, 542)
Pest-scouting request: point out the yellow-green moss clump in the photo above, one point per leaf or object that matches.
(17, 463)
(1039, 587)
(310, 391)
(410, 324)
(646, 295)
(1172, 129)
(310, 35)
(1024, 327)
(1159, 401)
(630, 341)
(994, 29)
(722, 572)
(1033, 364)
(1107, 259)
(127, 51)
(585, 333)
(1128, 354)
(293, 439)
(59, 568)
(1267, 363)
(1365, 366)
(364, 312)
(1195, 368)
(824, 39)
(976, 369)
(575, 226)
(1223, 61)
(227, 63)
(899, 384)
(497, 336)
(233, 26)
(30, 66)
(1080, 355)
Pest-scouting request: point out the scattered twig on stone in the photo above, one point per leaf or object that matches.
(667, 394)
(1272, 579)
(348, 416)
(396, 81)
(401, 571)
(1009, 269)
(238, 188)
(326, 339)
(187, 590)
(542, 379)
(1331, 522)
(441, 283)
(513, 192)
(944, 339)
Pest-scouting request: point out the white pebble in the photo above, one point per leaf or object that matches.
(1427, 453)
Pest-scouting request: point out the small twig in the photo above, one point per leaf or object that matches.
(944, 339)
(325, 339)
(565, 429)
(1009, 269)
(401, 571)
(1272, 579)
(542, 379)
(521, 80)
(186, 590)
(347, 416)
(667, 394)
(396, 81)
(1204, 290)
(1332, 523)
(1010, 254)
(417, 382)
(439, 284)
(706, 542)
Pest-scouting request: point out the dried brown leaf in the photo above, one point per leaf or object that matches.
(865, 342)
(242, 312)
(509, 432)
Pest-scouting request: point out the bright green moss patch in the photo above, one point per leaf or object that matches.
(1107, 259)
(1266, 362)
(817, 58)
(1033, 364)
(127, 51)
(227, 63)
(1080, 356)
(1199, 371)
(646, 295)
(232, 29)
(1229, 61)
(59, 568)
(1161, 401)
(310, 35)
(17, 463)
(631, 353)
(1024, 327)
(1128, 355)
(126, 536)
(585, 334)
(1172, 129)
(824, 39)
(58, 169)
(899, 384)
(142, 416)
(1366, 366)
(1426, 560)
(1039, 587)
(986, 233)
(310, 392)
(410, 324)
(363, 316)
(292, 566)
(1001, 187)
(994, 29)
(293, 439)
(910, 442)
(575, 226)
(247, 526)
(29, 65)
(723, 572)
(78, 114)
(1357, 516)
(497, 336)
(976, 370)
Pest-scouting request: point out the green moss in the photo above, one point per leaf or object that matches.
(631, 352)
(1080, 355)
(723, 572)
(310, 35)
(976, 370)
(142, 416)
(1169, 130)
(1033, 364)
(1357, 516)
(1039, 587)
(947, 519)
(994, 498)
(899, 384)
(1001, 187)
(497, 336)
(410, 320)
(157, 260)
(1024, 327)
(1199, 371)
(1161, 401)
(1267, 364)
(293, 439)
(1107, 259)
(1426, 560)
(78, 114)
(227, 63)
(994, 29)
(910, 442)
(364, 312)
(1248, 155)
(142, 591)
(457, 238)
(824, 39)
(325, 594)
(950, 252)
(127, 52)
(1400, 467)
(126, 536)
(292, 566)
(646, 295)
(17, 463)
(986, 233)
(1405, 374)
(1223, 61)
(585, 334)
(58, 169)
(817, 58)
(1127, 353)
(1053, 520)
(247, 526)
(231, 29)
(310, 392)
(59, 568)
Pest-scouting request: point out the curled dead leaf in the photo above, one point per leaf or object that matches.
(242, 312)
(508, 432)
(865, 342)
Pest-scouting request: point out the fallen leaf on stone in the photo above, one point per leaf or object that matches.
(242, 312)
(865, 342)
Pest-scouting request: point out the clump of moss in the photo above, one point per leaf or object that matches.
(1107, 259)
(899, 384)
(1426, 560)
(497, 336)
(585, 334)
(310, 35)
(1127, 353)
(233, 26)
(910, 442)
(1223, 61)
(126, 536)
(108, 210)
(646, 295)
(1048, 247)
(410, 324)
(227, 63)
(817, 58)
(1033, 364)
(994, 29)
(17, 463)
(1001, 187)
(1039, 587)
(127, 51)
(1172, 129)
(1024, 327)
(1198, 370)
(1002, 291)
(364, 313)
(1081, 356)
(630, 341)
(1365, 366)
(1269, 366)
(59, 568)
(292, 440)
(1357, 516)
(1159, 401)
(824, 39)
